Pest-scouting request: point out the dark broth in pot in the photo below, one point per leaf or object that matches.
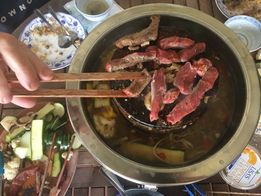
(195, 141)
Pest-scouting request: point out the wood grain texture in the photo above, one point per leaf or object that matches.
(156, 1)
(85, 159)
(192, 4)
(124, 4)
(180, 2)
(136, 2)
(40, 93)
(206, 6)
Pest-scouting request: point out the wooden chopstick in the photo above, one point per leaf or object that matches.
(73, 77)
(47, 165)
(65, 163)
(91, 76)
(69, 93)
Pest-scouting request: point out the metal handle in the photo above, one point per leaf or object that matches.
(145, 190)
(65, 40)
(72, 35)
(41, 15)
(52, 12)
(113, 180)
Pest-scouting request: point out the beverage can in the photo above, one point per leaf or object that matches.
(245, 171)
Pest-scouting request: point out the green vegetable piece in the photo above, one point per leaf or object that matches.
(57, 123)
(49, 117)
(59, 139)
(58, 110)
(20, 130)
(65, 142)
(56, 165)
(44, 111)
(48, 137)
(25, 141)
(37, 139)
(77, 142)
(8, 121)
(15, 133)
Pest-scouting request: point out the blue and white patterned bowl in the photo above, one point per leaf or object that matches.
(45, 45)
(248, 30)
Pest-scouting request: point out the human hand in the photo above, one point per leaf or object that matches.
(28, 69)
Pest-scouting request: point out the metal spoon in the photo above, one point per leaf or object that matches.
(73, 35)
(64, 41)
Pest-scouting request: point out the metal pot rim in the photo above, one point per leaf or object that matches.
(144, 174)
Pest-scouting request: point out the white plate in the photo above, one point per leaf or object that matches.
(248, 29)
(45, 45)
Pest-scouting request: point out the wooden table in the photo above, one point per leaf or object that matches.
(88, 180)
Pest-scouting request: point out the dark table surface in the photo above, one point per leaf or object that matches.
(88, 179)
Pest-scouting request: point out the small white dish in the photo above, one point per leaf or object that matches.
(45, 43)
(248, 30)
(94, 10)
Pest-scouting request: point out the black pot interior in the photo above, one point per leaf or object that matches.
(216, 125)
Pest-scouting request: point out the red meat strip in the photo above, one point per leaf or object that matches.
(137, 86)
(171, 95)
(167, 56)
(202, 66)
(192, 101)
(164, 56)
(158, 89)
(187, 53)
(142, 37)
(130, 60)
(185, 77)
(152, 53)
(175, 42)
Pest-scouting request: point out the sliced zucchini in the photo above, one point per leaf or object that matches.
(37, 139)
(56, 165)
(8, 122)
(58, 110)
(45, 110)
(77, 142)
(25, 141)
(15, 133)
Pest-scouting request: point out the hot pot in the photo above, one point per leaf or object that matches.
(238, 64)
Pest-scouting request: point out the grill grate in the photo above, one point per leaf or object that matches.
(211, 189)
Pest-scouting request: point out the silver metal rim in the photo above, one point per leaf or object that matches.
(144, 174)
